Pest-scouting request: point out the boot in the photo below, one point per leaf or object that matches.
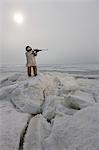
(35, 70)
(29, 71)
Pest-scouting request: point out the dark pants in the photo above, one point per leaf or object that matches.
(34, 70)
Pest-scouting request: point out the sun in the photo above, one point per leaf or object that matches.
(18, 18)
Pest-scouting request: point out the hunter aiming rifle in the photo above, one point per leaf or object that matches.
(31, 60)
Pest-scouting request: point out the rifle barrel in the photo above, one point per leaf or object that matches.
(44, 49)
(40, 50)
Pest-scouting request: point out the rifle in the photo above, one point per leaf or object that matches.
(35, 51)
(38, 50)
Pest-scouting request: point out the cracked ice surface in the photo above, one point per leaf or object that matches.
(38, 130)
(65, 112)
(12, 123)
(80, 131)
(29, 96)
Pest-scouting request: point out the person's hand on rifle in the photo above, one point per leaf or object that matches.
(34, 53)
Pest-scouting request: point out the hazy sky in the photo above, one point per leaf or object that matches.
(68, 28)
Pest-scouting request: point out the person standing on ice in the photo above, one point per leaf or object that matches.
(31, 61)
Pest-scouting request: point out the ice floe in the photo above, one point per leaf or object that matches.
(53, 111)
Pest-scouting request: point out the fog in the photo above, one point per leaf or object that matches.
(69, 29)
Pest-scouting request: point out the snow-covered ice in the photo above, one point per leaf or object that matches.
(53, 111)
(79, 100)
(12, 124)
(77, 132)
(38, 130)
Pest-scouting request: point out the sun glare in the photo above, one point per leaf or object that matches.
(18, 18)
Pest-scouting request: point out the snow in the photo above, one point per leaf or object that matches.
(53, 111)
(29, 96)
(79, 100)
(38, 130)
(80, 131)
(12, 123)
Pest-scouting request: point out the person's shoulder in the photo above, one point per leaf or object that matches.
(26, 53)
